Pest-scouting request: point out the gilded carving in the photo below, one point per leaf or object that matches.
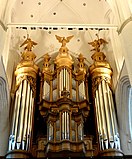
(81, 72)
(32, 82)
(100, 69)
(97, 43)
(29, 44)
(64, 40)
(27, 69)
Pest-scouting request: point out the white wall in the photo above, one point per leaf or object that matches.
(4, 110)
(122, 98)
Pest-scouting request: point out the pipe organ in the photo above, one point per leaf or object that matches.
(56, 120)
(65, 105)
(101, 73)
(22, 121)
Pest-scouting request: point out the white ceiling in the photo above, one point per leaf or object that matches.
(58, 12)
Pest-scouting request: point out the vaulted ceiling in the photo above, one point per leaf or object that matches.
(43, 19)
(60, 11)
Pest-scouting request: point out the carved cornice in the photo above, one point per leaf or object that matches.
(64, 104)
(78, 147)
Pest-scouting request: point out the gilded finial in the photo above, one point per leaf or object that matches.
(29, 44)
(64, 40)
(97, 43)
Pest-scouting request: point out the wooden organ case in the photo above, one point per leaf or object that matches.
(64, 105)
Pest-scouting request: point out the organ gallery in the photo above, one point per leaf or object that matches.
(62, 106)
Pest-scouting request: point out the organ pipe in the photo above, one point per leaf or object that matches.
(107, 107)
(21, 114)
(106, 117)
(58, 85)
(111, 116)
(22, 119)
(51, 91)
(60, 81)
(63, 122)
(100, 121)
(98, 117)
(64, 80)
(83, 90)
(14, 114)
(21, 128)
(67, 125)
(26, 115)
(30, 120)
(70, 85)
(103, 113)
(101, 74)
(116, 137)
(44, 89)
(68, 80)
(77, 91)
(98, 124)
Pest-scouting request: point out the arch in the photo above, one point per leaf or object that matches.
(3, 95)
(5, 14)
(4, 117)
(124, 118)
(123, 94)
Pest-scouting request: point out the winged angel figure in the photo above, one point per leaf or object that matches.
(63, 40)
(29, 44)
(97, 43)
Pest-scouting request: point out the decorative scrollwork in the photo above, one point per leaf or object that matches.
(32, 82)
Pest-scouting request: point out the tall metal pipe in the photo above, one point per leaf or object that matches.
(107, 109)
(26, 116)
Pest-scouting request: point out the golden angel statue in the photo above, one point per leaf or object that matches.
(63, 40)
(97, 43)
(29, 44)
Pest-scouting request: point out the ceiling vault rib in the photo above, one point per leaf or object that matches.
(75, 12)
